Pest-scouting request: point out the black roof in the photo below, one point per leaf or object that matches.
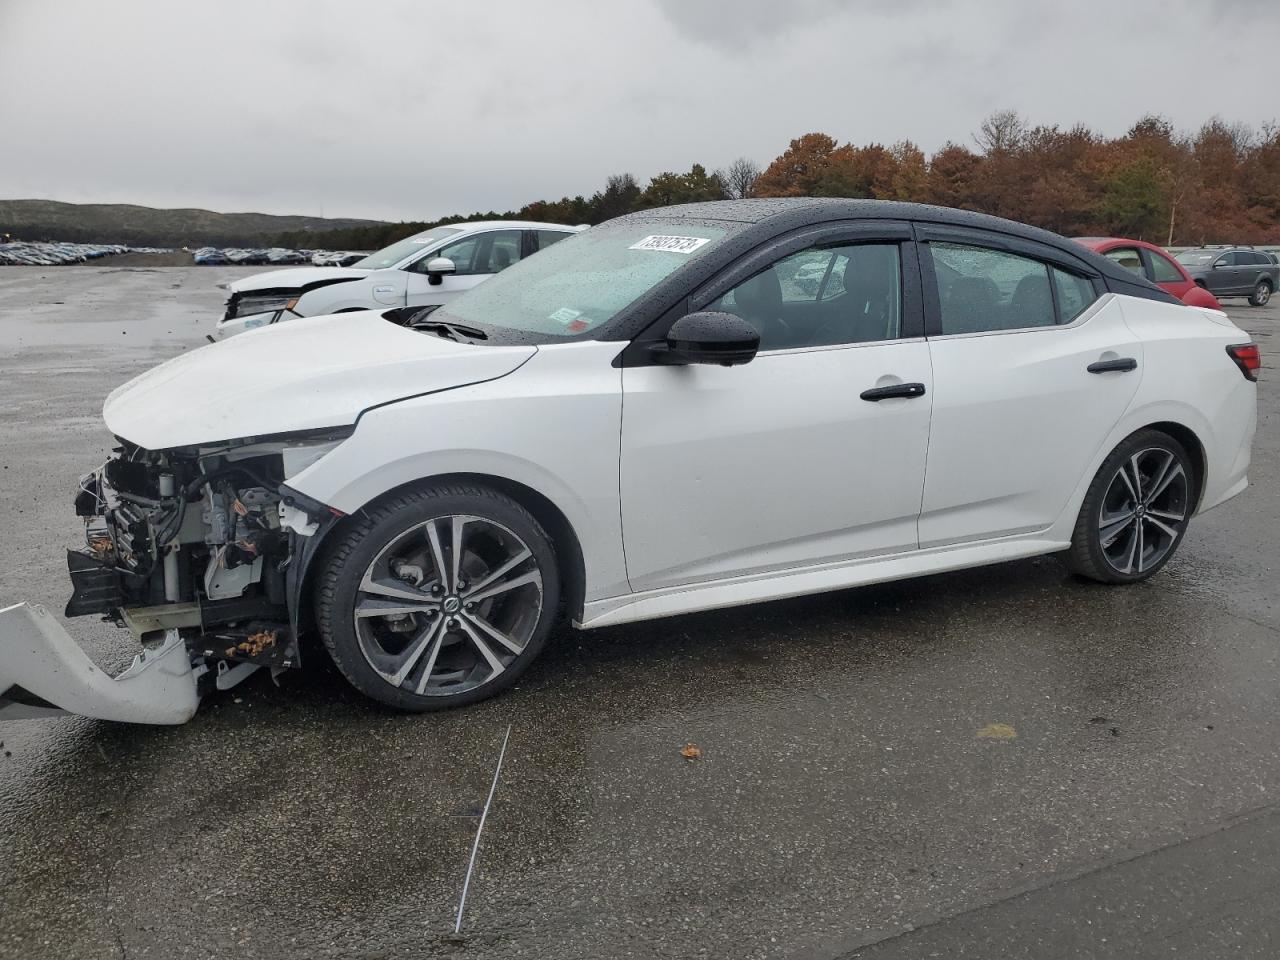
(784, 213)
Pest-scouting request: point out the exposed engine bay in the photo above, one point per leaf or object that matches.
(202, 541)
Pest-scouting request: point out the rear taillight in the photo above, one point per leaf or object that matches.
(1247, 358)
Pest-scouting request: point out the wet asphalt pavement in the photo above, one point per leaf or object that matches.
(1004, 762)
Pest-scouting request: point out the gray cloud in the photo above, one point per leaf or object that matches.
(746, 23)
(408, 110)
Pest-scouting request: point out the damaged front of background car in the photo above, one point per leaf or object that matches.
(196, 543)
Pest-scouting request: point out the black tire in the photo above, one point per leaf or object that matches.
(1261, 294)
(378, 532)
(1097, 552)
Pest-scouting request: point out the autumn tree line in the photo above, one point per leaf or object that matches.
(1218, 185)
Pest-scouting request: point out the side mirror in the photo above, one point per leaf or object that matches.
(712, 337)
(438, 268)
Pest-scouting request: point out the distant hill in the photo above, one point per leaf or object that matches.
(148, 226)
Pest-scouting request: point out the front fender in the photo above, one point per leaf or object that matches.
(551, 426)
(363, 293)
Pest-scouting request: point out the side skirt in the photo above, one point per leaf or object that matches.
(794, 583)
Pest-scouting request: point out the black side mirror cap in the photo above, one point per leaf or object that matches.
(711, 336)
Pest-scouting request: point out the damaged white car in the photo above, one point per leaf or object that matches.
(424, 270)
(650, 418)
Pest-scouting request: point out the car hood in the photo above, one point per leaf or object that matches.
(302, 375)
(295, 278)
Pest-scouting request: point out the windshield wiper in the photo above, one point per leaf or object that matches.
(451, 331)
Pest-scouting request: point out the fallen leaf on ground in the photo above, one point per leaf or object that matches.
(997, 731)
(690, 751)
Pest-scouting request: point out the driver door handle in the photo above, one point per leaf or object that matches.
(876, 394)
(1122, 364)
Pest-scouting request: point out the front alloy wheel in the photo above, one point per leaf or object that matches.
(439, 598)
(1136, 510)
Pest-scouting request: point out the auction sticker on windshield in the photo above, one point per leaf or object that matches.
(670, 244)
(565, 315)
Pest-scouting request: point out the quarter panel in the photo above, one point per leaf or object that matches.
(1190, 379)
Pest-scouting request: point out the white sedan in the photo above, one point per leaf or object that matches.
(645, 420)
(424, 270)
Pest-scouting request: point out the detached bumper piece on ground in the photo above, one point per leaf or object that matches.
(44, 672)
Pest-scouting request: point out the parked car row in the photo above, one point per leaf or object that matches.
(222, 256)
(678, 410)
(41, 254)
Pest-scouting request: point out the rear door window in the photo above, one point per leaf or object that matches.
(982, 290)
(1074, 294)
(1128, 258)
(1162, 270)
(545, 238)
(985, 290)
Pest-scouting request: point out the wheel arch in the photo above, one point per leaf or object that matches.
(1192, 443)
(1174, 420)
(564, 538)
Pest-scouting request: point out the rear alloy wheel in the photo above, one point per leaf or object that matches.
(1135, 512)
(1261, 294)
(439, 598)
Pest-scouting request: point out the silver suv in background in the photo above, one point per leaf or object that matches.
(1234, 272)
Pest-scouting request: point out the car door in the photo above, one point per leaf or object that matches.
(811, 453)
(1222, 277)
(1253, 267)
(475, 257)
(1033, 365)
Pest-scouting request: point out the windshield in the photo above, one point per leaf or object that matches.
(1194, 257)
(585, 281)
(390, 256)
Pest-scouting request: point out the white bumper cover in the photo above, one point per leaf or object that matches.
(39, 656)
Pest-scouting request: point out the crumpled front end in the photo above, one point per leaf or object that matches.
(191, 549)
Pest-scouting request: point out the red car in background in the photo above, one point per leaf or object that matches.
(1149, 261)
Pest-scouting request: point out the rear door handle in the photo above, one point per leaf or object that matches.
(876, 394)
(1122, 364)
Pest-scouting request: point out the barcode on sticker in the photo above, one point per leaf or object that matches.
(670, 244)
(565, 315)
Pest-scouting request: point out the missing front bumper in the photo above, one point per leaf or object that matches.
(43, 672)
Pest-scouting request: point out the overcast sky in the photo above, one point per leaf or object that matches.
(411, 110)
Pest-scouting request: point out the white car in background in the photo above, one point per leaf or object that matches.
(340, 258)
(425, 270)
